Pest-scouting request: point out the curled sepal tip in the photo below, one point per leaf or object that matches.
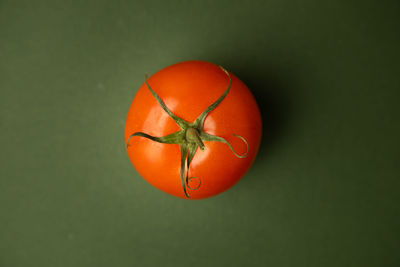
(188, 179)
(213, 138)
(192, 152)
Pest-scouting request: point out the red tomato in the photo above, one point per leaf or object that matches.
(183, 148)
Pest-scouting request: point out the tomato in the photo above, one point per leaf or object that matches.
(193, 130)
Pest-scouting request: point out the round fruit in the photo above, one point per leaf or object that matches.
(193, 129)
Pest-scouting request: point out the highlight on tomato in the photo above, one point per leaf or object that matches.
(193, 129)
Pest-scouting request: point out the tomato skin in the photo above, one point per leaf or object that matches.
(187, 89)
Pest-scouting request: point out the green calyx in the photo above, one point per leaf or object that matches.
(190, 136)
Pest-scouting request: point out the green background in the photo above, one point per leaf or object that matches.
(324, 190)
